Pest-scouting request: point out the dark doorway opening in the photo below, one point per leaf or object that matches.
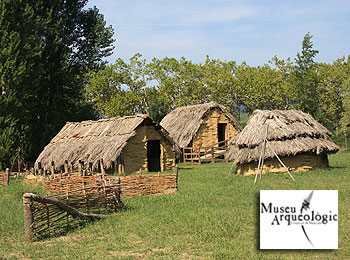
(153, 155)
(221, 133)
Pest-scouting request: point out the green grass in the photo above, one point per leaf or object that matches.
(214, 216)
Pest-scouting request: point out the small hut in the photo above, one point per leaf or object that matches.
(133, 144)
(200, 125)
(295, 137)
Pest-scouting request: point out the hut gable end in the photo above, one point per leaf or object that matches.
(183, 123)
(91, 141)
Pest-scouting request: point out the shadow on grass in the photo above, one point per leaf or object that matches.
(50, 234)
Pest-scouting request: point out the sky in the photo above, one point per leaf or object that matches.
(229, 30)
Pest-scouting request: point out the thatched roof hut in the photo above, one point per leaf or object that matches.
(200, 125)
(125, 141)
(298, 139)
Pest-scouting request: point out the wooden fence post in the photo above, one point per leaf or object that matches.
(53, 168)
(8, 176)
(66, 171)
(102, 167)
(71, 167)
(80, 167)
(176, 170)
(28, 217)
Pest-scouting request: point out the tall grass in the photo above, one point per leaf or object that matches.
(213, 216)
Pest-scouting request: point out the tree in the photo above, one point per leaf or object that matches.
(47, 48)
(345, 116)
(330, 92)
(305, 78)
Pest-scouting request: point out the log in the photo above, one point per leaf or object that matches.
(63, 206)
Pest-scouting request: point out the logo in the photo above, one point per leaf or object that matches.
(298, 219)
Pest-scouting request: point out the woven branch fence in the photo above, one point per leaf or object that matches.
(4, 178)
(128, 185)
(72, 207)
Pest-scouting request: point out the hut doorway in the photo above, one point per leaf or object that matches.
(221, 133)
(153, 155)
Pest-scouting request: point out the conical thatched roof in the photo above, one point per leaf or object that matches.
(91, 141)
(289, 132)
(184, 122)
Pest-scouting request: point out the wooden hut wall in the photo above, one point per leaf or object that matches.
(297, 163)
(207, 134)
(135, 152)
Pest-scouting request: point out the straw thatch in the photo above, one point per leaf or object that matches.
(289, 132)
(90, 141)
(183, 123)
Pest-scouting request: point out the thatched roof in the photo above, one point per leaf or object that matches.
(184, 122)
(91, 141)
(289, 132)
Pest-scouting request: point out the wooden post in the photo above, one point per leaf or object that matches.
(264, 148)
(8, 176)
(257, 171)
(212, 155)
(71, 167)
(98, 166)
(102, 167)
(119, 186)
(40, 171)
(282, 163)
(66, 171)
(90, 167)
(80, 167)
(53, 168)
(28, 217)
(176, 170)
(114, 171)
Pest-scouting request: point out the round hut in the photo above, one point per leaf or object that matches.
(296, 138)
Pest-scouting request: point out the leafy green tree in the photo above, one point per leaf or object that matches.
(119, 89)
(330, 93)
(47, 48)
(305, 78)
(345, 116)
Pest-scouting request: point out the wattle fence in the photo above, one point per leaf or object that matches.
(139, 185)
(72, 200)
(4, 178)
(59, 212)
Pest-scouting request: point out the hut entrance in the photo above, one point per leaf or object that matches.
(221, 133)
(153, 155)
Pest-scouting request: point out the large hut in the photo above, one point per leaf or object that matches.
(295, 137)
(133, 144)
(200, 125)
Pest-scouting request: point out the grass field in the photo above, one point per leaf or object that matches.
(213, 216)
